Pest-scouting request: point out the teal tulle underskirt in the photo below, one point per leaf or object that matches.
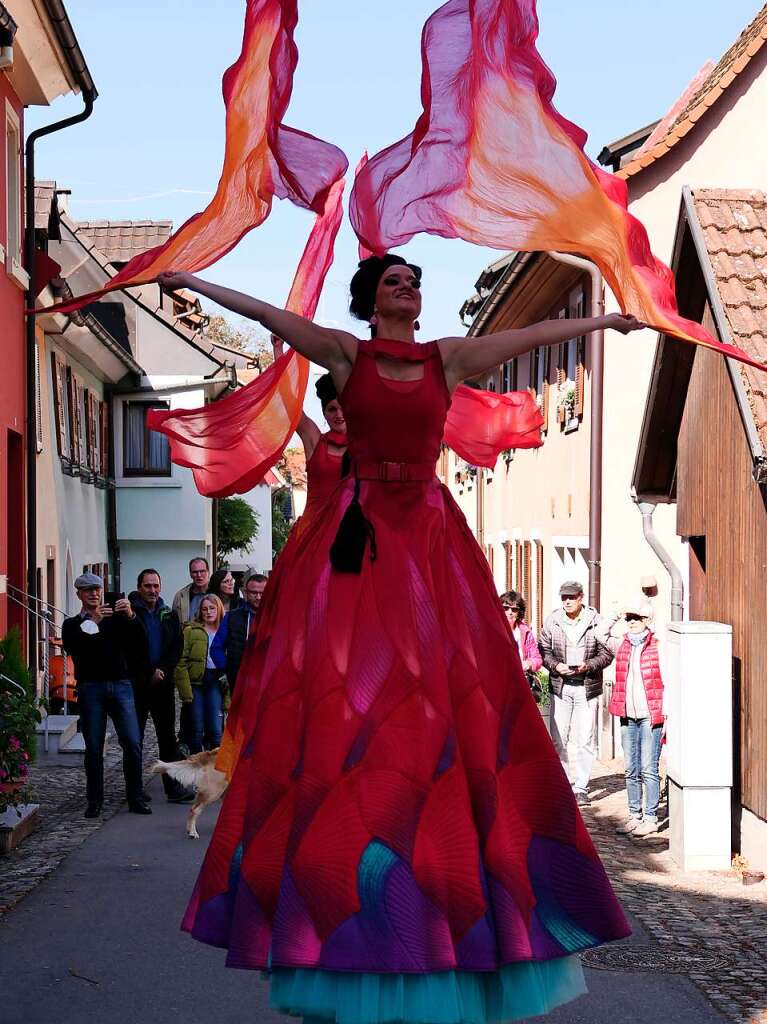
(445, 997)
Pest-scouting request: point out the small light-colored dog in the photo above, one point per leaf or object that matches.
(199, 772)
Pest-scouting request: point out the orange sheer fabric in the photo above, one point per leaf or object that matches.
(491, 161)
(230, 444)
(263, 158)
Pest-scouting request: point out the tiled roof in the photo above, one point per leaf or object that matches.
(732, 64)
(734, 226)
(44, 192)
(121, 240)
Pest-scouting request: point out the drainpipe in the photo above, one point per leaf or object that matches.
(647, 509)
(76, 61)
(597, 350)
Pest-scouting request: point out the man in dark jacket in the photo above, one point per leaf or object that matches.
(575, 654)
(228, 646)
(153, 677)
(102, 641)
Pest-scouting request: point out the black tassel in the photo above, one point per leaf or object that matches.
(354, 532)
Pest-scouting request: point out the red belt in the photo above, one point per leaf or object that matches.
(395, 472)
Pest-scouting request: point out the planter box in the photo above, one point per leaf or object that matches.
(16, 824)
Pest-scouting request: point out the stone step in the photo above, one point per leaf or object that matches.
(76, 745)
(60, 728)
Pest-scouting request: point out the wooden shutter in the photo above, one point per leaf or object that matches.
(507, 555)
(526, 571)
(545, 355)
(38, 401)
(104, 421)
(518, 566)
(60, 403)
(538, 586)
(580, 377)
(82, 422)
(74, 416)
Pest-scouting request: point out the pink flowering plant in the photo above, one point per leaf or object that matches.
(20, 712)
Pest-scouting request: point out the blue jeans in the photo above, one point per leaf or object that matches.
(96, 701)
(204, 718)
(641, 752)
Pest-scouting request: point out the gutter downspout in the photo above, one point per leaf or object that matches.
(79, 69)
(597, 350)
(647, 510)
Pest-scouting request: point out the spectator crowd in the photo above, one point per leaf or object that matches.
(133, 655)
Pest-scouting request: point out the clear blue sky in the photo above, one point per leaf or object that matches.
(153, 146)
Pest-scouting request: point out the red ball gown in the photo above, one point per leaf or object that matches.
(399, 841)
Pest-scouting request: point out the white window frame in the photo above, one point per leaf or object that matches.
(13, 259)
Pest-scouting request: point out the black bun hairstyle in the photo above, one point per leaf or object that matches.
(326, 390)
(365, 282)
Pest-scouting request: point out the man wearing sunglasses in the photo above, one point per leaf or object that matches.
(575, 654)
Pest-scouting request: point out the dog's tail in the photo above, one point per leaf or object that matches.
(182, 771)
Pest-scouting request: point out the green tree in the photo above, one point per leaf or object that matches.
(281, 525)
(237, 525)
(243, 337)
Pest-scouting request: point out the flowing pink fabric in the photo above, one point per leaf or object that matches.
(263, 158)
(230, 444)
(491, 161)
(481, 424)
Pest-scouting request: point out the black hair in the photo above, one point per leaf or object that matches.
(147, 572)
(198, 558)
(326, 390)
(214, 587)
(512, 597)
(365, 282)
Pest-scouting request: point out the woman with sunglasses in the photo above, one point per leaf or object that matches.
(515, 607)
(637, 699)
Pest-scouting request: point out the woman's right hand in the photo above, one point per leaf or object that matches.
(172, 280)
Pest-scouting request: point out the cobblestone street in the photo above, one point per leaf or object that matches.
(707, 926)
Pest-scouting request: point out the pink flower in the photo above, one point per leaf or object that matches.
(3, 773)
(25, 755)
(13, 743)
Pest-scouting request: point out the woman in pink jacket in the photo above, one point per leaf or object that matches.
(515, 607)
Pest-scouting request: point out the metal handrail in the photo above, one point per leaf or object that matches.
(48, 626)
(37, 600)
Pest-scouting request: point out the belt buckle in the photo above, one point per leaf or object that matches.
(391, 471)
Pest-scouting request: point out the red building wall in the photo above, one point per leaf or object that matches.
(12, 399)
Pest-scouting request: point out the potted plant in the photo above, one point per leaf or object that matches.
(566, 402)
(20, 713)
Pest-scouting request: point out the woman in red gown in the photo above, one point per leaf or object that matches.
(398, 841)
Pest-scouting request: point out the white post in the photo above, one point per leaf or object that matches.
(699, 744)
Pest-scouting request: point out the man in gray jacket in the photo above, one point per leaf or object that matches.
(575, 654)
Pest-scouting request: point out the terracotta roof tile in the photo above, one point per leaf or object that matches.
(44, 192)
(121, 240)
(734, 225)
(732, 64)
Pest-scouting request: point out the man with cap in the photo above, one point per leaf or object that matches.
(575, 654)
(103, 642)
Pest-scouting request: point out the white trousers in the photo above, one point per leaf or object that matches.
(574, 720)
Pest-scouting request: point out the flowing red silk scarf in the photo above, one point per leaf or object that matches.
(230, 444)
(263, 158)
(491, 161)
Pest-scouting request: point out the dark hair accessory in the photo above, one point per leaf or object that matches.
(354, 531)
(326, 390)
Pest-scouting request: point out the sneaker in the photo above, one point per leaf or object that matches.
(646, 828)
(139, 807)
(582, 799)
(629, 826)
(93, 810)
(181, 796)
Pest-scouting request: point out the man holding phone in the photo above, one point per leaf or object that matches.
(103, 640)
(575, 654)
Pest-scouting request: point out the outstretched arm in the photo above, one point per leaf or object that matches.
(329, 348)
(466, 357)
(306, 429)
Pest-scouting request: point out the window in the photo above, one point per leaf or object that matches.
(104, 426)
(92, 409)
(526, 581)
(13, 220)
(38, 402)
(538, 587)
(73, 411)
(145, 452)
(509, 375)
(540, 366)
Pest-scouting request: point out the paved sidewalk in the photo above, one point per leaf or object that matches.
(100, 940)
(60, 791)
(710, 915)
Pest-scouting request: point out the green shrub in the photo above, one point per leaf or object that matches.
(20, 713)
